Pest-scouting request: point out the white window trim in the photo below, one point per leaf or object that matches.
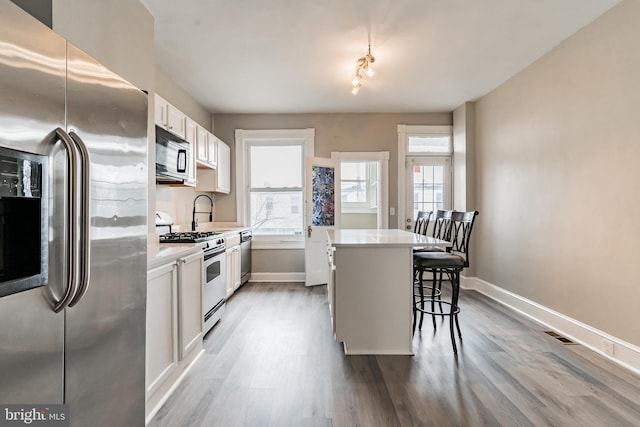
(242, 136)
(361, 207)
(404, 131)
(383, 157)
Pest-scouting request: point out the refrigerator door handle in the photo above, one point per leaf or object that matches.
(72, 181)
(85, 218)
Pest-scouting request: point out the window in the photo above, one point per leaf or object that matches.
(359, 185)
(429, 140)
(425, 153)
(276, 191)
(271, 172)
(430, 178)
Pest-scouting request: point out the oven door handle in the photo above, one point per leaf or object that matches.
(71, 224)
(213, 253)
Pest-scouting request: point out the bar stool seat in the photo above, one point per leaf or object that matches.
(450, 264)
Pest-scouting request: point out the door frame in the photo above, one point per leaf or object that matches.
(403, 133)
(371, 156)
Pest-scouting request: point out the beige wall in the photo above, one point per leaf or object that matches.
(359, 220)
(334, 132)
(169, 90)
(557, 178)
(464, 129)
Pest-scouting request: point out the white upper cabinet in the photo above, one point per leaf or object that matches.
(210, 161)
(207, 156)
(223, 176)
(170, 118)
(177, 122)
(217, 180)
(212, 150)
(203, 140)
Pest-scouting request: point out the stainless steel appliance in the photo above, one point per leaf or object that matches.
(172, 154)
(23, 221)
(214, 289)
(245, 256)
(80, 339)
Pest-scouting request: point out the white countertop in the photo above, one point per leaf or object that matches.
(158, 254)
(381, 237)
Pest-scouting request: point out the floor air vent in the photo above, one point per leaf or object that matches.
(559, 337)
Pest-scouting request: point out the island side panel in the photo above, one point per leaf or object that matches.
(373, 287)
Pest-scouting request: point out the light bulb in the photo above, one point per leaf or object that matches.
(356, 79)
(369, 71)
(356, 88)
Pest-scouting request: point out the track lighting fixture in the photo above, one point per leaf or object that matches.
(363, 68)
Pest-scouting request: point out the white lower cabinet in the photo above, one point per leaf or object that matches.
(190, 280)
(174, 324)
(233, 269)
(234, 274)
(162, 325)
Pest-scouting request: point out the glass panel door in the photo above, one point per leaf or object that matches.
(428, 186)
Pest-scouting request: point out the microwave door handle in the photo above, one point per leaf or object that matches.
(60, 135)
(182, 161)
(85, 218)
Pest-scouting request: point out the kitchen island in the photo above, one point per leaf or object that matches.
(370, 288)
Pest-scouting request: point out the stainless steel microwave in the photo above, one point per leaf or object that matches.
(172, 158)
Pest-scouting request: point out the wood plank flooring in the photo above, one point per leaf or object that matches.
(272, 361)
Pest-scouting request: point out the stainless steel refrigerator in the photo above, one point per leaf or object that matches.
(76, 333)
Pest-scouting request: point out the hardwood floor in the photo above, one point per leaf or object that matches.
(272, 361)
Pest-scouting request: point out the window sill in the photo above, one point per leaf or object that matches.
(276, 242)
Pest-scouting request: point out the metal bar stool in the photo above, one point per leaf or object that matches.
(450, 263)
(442, 231)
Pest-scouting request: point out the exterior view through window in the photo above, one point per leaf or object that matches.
(428, 171)
(276, 204)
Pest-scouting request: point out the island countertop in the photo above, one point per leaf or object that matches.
(370, 288)
(381, 237)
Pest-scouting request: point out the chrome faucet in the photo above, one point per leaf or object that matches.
(194, 223)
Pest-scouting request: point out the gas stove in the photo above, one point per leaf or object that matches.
(192, 237)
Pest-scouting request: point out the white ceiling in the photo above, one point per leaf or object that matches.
(299, 56)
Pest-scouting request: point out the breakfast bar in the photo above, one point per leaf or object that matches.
(370, 288)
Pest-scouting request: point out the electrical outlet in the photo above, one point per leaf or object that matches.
(609, 347)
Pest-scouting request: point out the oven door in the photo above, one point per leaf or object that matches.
(214, 292)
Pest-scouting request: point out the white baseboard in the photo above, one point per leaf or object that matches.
(624, 353)
(169, 392)
(277, 277)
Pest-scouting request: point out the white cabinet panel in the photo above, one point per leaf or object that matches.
(177, 122)
(161, 111)
(170, 118)
(162, 328)
(223, 175)
(191, 278)
(212, 148)
(174, 324)
(217, 180)
(203, 144)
